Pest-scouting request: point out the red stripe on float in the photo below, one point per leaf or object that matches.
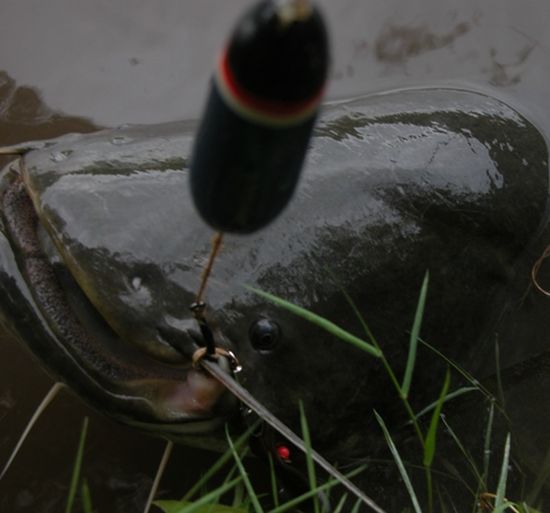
(275, 109)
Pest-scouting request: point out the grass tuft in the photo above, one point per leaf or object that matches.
(246, 499)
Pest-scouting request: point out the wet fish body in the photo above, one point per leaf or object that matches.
(449, 181)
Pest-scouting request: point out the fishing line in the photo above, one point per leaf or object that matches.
(216, 245)
(198, 308)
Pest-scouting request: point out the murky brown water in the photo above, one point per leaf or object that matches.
(74, 65)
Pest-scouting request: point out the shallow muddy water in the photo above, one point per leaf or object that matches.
(77, 65)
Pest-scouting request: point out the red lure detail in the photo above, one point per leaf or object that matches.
(283, 452)
(260, 105)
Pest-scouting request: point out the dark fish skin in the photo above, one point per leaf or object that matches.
(449, 181)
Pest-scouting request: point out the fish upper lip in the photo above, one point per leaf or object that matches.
(185, 341)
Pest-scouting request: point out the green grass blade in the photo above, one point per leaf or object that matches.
(244, 474)
(480, 488)
(340, 505)
(234, 468)
(500, 389)
(541, 481)
(319, 321)
(86, 497)
(292, 503)
(312, 493)
(465, 374)
(389, 370)
(220, 462)
(374, 342)
(466, 453)
(273, 479)
(356, 506)
(452, 395)
(75, 478)
(399, 463)
(413, 340)
(452, 472)
(524, 508)
(487, 441)
(193, 507)
(501, 488)
(361, 320)
(442, 506)
(506, 505)
(310, 465)
(238, 495)
(429, 446)
(170, 506)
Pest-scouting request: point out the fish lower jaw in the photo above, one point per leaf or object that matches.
(197, 396)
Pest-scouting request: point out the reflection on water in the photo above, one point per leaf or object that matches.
(105, 63)
(134, 62)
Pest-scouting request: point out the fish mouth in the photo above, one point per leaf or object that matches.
(79, 347)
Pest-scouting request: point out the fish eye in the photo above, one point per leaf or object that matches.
(264, 335)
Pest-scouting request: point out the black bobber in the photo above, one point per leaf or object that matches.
(259, 115)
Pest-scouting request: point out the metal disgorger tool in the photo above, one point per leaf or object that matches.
(249, 151)
(217, 372)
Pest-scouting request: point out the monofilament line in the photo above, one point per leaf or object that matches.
(216, 245)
